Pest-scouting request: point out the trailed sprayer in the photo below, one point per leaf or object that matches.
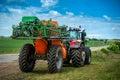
(56, 44)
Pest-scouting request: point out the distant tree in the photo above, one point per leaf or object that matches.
(105, 41)
(94, 39)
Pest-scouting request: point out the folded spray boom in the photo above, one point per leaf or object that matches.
(31, 28)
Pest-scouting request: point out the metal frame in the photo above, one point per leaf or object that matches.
(30, 29)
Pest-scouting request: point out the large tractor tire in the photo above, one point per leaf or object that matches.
(88, 55)
(27, 58)
(78, 58)
(55, 58)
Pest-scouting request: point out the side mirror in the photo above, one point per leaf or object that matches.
(80, 26)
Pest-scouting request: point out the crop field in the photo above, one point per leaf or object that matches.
(95, 43)
(8, 45)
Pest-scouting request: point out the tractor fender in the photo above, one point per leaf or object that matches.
(58, 42)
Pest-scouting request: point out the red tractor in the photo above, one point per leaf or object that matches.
(76, 50)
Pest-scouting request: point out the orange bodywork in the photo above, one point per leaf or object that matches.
(64, 52)
(51, 22)
(41, 46)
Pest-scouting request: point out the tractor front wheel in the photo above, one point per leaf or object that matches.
(27, 58)
(88, 55)
(75, 58)
(55, 58)
(78, 57)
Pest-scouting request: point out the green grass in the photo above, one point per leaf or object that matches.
(93, 43)
(8, 45)
(103, 67)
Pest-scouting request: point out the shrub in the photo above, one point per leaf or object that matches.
(104, 50)
(117, 43)
(113, 47)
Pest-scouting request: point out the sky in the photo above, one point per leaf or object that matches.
(100, 18)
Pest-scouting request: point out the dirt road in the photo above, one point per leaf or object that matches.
(97, 48)
(8, 57)
(9, 62)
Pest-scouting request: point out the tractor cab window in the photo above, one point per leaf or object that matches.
(75, 35)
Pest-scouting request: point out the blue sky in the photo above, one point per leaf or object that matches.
(100, 18)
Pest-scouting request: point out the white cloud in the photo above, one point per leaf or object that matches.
(113, 28)
(19, 11)
(95, 27)
(116, 28)
(48, 3)
(69, 13)
(7, 21)
(106, 17)
(27, 11)
(54, 13)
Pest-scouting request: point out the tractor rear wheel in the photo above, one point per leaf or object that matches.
(27, 58)
(88, 55)
(55, 58)
(78, 58)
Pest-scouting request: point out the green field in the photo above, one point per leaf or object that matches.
(8, 45)
(93, 43)
(103, 67)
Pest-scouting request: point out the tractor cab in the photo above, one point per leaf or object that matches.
(77, 37)
(75, 33)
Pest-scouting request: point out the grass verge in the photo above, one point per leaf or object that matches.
(8, 45)
(103, 67)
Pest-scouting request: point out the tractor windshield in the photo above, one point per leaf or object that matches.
(74, 35)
